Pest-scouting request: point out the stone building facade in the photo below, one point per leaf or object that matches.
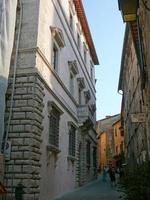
(134, 82)
(50, 117)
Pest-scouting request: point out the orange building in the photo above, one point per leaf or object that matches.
(107, 143)
(118, 138)
(102, 159)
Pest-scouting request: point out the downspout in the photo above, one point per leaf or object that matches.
(14, 79)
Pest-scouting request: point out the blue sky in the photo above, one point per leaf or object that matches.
(107, 29)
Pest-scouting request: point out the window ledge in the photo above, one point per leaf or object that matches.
(53, 148)
(72, 158)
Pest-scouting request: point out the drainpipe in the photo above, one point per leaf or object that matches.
(14, 79)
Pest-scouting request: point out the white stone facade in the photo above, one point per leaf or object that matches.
(54, 72)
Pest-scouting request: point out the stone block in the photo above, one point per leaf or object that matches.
(27, 96)
(19, 115)
(31, 79)
(20, 103)
(15, 122)
(17, 141)
(21, 79)
(28, 128)
(18, 128)
(28, 197)
(24, 148)
(23, 176)
(21, 90)
(27, 169)
(16, 155)
(27, 155)
(23, 162)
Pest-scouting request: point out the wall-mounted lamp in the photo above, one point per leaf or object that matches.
(128, 9)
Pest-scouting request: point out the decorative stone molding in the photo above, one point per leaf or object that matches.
(72, 8)
(73, 67)
(87, 95)
(81, 83)
(58, 36)
(51, 105)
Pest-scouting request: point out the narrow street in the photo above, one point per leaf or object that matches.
(97, 190)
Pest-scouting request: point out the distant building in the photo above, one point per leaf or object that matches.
(106, 147)
(102, 147)
(50, 116)
(118, 138)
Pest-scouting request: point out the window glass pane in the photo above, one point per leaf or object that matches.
(71, 83)
(80, 96)
(55, 57)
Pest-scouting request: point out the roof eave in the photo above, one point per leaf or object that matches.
(122, 58)
(83, 20)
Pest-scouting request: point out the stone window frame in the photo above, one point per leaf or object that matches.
(71, 15)
(72, 128)
(87, 96)
(54, 113)
(78, 35)
(73, 71)
(81, 86)
(58, 42)
(71, 21)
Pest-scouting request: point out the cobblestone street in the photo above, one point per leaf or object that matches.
(97, 190)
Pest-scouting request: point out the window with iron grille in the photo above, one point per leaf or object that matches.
(72, 141)
(54, 127)
(88, 154)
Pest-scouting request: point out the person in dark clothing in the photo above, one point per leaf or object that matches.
(112, 176)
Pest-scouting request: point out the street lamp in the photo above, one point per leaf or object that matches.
(128, 9)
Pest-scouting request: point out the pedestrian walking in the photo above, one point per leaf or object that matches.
(104, 175)
(112, 176)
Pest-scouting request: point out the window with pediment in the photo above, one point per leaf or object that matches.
(73, 71)
(58, 43)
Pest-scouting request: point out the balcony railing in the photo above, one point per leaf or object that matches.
(85, 114)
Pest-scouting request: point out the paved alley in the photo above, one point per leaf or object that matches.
(97, 190)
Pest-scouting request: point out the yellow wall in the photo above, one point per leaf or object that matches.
(102, 150)
(118, 139)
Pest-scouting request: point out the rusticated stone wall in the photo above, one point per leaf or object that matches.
(25, 135)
